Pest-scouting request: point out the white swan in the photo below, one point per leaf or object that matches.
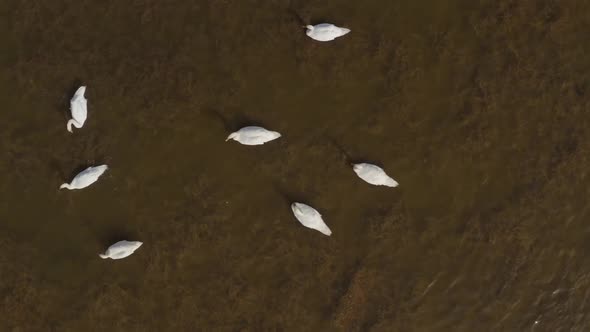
(85, 178)
(78, 109)
(374, 175)
(310, 218)
(253, 135)
(121, 249)
(325, 32)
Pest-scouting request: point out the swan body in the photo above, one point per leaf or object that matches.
(121, 249)
(374, 175)
(253, 135)
(325, 32)
(310, 218)
(78, 109)
(85, 178)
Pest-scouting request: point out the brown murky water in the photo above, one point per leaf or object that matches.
(478, 108)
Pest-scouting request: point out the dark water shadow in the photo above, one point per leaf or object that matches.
(366, 160)
(115, 234)
(289, 196)
(296, 17)
(81, 168)
(321, 20)
(233, 122)
(216, 116)
(63, 107)
(343, 153)
(56, 167)
(99, 158)
(302, 17)
(240, 121)
(301, 46)
(349, 159)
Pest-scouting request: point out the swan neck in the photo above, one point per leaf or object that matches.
(231, 136)
(70, 125)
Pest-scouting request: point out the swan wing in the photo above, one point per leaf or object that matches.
(374, 175)
(88, 176)
(310, 218)
(253, 135)
(78, 106)
(327, 32)
(123, 249)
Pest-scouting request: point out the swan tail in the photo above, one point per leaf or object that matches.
(103, 256)
(81, 91)
(390, 182)
(65, 185)
(324, 229)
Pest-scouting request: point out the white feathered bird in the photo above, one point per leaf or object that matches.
(121, 249)
(253, 135)
(374, 175)
(78, 109)
(85, 178)
(310, 218)
(325, 32)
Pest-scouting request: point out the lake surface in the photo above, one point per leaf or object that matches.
(479, 109)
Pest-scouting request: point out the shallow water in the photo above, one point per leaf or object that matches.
(478, 109)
